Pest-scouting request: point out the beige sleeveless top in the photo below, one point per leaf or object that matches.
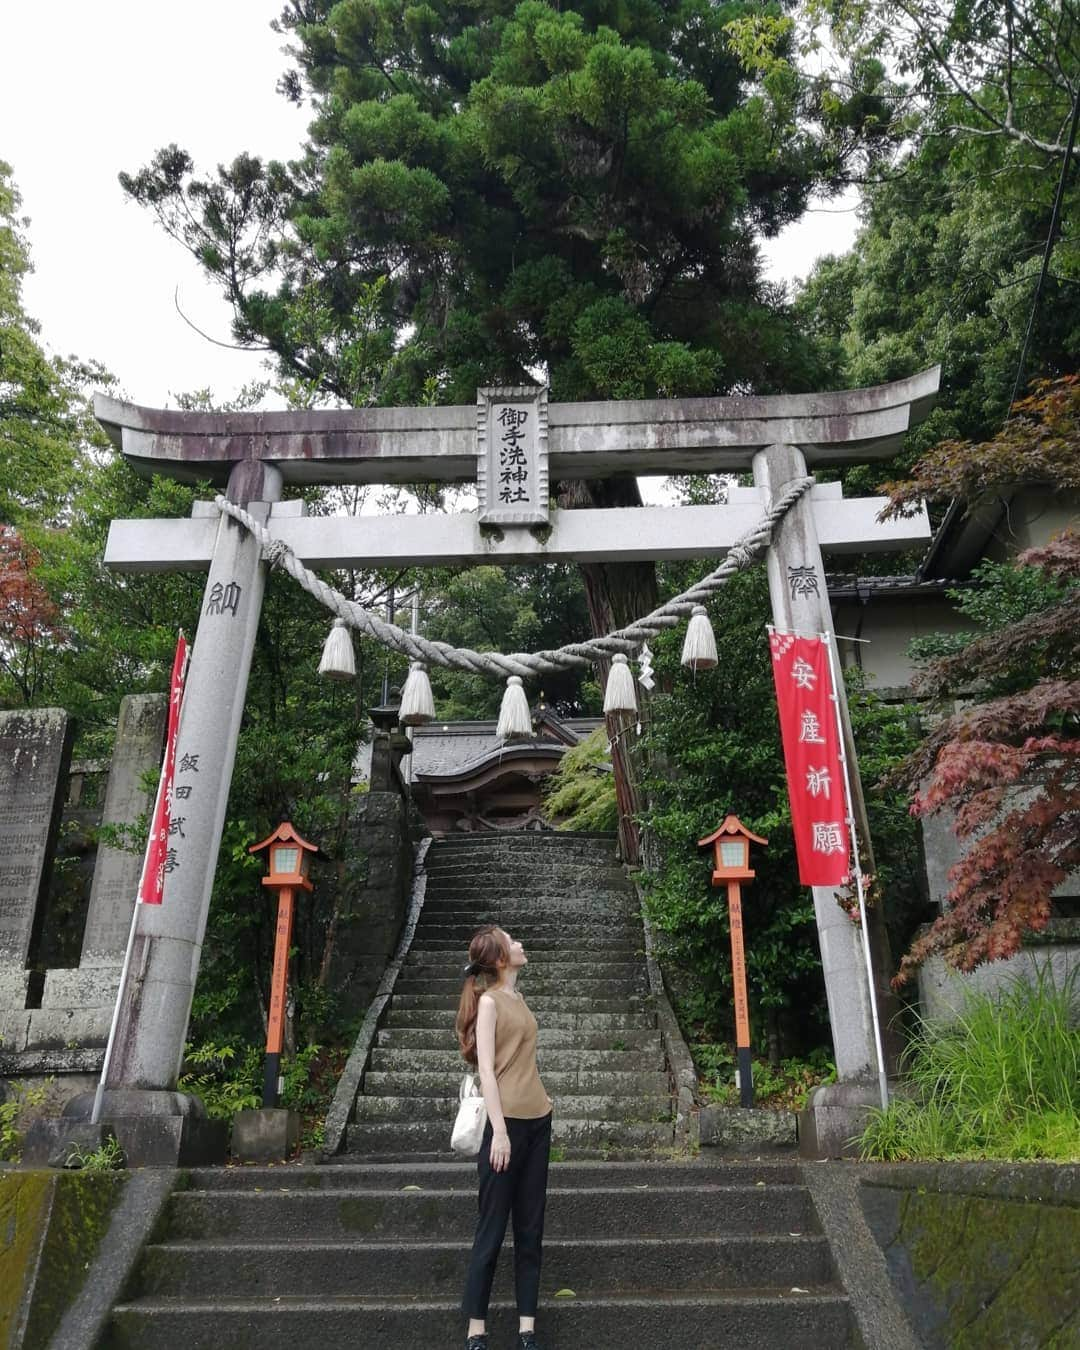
(520, 1090)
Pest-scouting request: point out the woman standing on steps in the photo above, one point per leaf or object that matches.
(497, 1034)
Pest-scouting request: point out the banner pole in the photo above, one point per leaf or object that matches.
(883, 1079)
(99, 1094)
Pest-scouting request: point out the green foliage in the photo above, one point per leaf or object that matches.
(714, 746)
(19, 1097)
(299, 1089)
(580, 794)
(108, 1158)
(507, 609)
(510, 188)
(945, 265)
(1004, 1082)
(46, 425)
(228, 1078)
(1002, 594)
(782, 1087)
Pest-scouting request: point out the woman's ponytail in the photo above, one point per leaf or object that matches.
(487, 951)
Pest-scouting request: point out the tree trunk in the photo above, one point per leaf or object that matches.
(617, 594)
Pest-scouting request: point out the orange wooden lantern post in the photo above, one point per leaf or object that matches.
(288, 863)
(731, 867)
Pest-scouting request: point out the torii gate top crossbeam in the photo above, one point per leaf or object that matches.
(585, 440)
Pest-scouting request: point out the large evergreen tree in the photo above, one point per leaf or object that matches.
(530, 192)
(578, 191)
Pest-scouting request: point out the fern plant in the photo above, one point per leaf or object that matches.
(580, 794)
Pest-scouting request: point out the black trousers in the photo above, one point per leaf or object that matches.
(521, 1191)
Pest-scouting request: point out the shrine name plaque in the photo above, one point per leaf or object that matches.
(512, 455)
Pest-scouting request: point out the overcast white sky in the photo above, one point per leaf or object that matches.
(101, 90)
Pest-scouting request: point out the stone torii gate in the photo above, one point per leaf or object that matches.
(510, 444)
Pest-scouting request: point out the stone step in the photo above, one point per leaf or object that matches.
(548, 1039)
(533, 985)
(582, 1213)
(571, 924)
(530, 892)
(456, 1175)
(520, 918)
(623, 950)
(550, 875)
(516, 915)
(643, 1107)
(539, 1003)
(576, 1062)
(536, 861)
(571, 939)
(611, 1023)
(577, 1138)
(737, 1321)
(523, 855)
(402, 1081)
(594, 1267)
(559, 865)
(560, 843)
(607, 965)
(532, 889)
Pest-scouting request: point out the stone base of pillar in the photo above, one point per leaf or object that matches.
(269, 1135)
(153, 1128)
(835, 1117)
(146, 1141)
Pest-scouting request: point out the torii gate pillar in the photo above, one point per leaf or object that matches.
(153, 1017)
(800, 603)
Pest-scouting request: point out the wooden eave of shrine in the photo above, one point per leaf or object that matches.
(489, 768)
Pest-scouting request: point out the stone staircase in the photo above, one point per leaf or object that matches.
(688, 1254)
(371, 1252)
(600, 1054)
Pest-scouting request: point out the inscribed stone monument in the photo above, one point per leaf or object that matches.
(88, 993)
(35, 749)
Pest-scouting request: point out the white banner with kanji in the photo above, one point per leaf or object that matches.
(808, 727)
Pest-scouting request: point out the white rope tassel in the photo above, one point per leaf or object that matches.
(417, 702)
(699, 648)
(619, 694)
(515, 719)
(338, 661)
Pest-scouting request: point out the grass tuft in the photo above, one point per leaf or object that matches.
(1003, 1082)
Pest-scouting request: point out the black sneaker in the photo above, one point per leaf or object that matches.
(527, 1341)
(476, 1343)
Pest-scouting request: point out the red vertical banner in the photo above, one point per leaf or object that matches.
(804, 696)
(152, 881)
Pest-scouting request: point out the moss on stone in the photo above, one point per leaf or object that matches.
(997, 1271)
(24, 1214)
(82, 1209)
(51, 1225)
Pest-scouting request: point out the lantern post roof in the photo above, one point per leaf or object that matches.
(731, 825)
(286, 833)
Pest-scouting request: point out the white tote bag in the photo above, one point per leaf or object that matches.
(471, 1117)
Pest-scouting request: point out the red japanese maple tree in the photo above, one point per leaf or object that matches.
(1008, 765)
(29, 621)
